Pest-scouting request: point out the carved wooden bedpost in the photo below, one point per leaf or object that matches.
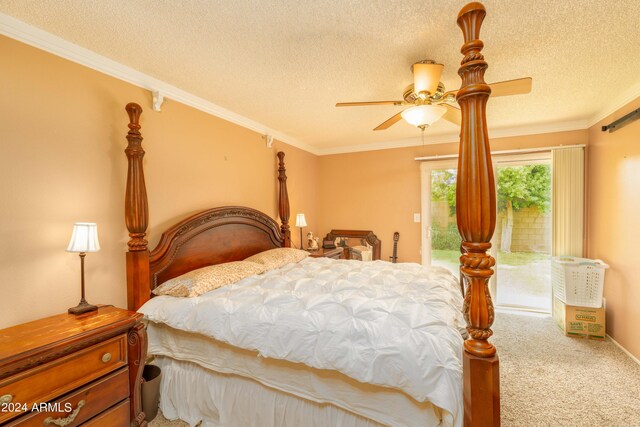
(283, 200)
(136, 215)
(476, 215)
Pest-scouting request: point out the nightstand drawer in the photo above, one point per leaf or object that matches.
(51, 380)
(79, 406)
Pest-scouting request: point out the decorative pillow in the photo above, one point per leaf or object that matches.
(275, 258)
(206, 279)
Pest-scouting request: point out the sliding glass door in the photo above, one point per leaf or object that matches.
(522, 239)
(441, 240)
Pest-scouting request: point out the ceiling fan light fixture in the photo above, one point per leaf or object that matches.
(423, 115)
(426, 76)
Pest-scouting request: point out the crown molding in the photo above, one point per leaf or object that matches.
(386, 145)
(447, 138)
(25, 33)
(536, 129)
(620, 101)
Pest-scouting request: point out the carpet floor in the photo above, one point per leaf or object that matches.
(548, 379)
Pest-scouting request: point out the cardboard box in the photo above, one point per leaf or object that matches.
(583, 322)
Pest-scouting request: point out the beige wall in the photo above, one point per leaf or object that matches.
(613, 200)
(380, 190)
(373, 190)
(62, 129)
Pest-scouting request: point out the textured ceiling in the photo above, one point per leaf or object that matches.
(286, 63)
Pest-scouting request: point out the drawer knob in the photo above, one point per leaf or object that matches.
(65, 421)
(7, 398)
(106, 357)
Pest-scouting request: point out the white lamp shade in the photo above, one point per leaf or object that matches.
(300, 220)
(426, 77)
(423, 115)
(84, 238)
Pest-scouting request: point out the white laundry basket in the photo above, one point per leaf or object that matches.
(578, 281)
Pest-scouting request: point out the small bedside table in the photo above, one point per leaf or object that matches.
(327, 253)
(74, 370)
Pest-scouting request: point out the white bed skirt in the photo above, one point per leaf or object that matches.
(185, 353)
(195, 394)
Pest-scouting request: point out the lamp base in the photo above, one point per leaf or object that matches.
(83, 307)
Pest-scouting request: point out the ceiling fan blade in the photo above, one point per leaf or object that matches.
(453, 114)
(359, 104)
(511, 87)
(389, 122)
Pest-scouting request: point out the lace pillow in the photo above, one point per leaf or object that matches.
(206, 279)
(275, 258)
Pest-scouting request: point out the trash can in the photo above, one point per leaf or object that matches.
(151, 376)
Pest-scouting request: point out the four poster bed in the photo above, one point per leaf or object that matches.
(215, 370)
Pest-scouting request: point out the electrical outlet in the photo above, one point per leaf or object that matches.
(416, 217)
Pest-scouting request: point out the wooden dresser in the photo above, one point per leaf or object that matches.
(68, 370)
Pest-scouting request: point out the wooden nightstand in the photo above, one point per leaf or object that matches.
(84, 369)
(336, 253)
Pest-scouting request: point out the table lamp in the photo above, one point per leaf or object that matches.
(84, 239)
(301, 222)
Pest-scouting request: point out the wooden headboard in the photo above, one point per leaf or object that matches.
(214, 236)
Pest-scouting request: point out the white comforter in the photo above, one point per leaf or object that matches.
(394, 325)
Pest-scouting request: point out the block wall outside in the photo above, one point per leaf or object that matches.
(531, 230)
(531, 227)
(440, 214)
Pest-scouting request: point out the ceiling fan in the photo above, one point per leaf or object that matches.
(430, 100)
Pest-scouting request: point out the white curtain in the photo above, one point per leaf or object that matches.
(568, 201)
